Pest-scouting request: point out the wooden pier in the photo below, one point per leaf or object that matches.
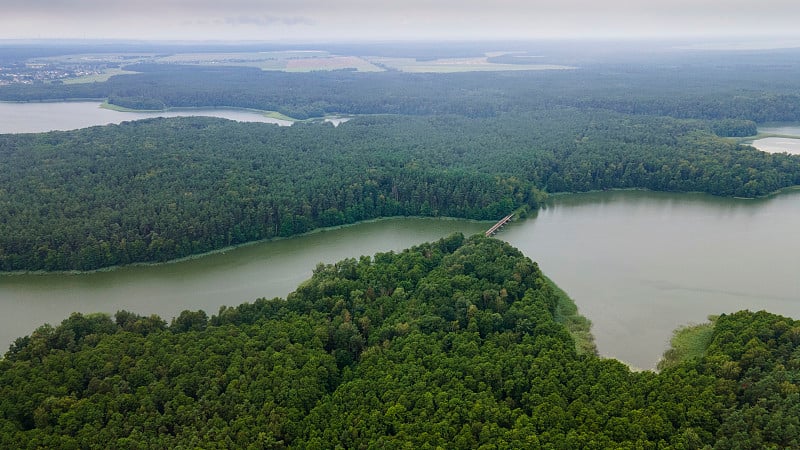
(499, 224)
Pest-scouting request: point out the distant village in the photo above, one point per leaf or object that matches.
(33, 73)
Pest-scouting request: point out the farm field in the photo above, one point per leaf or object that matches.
(452, 65)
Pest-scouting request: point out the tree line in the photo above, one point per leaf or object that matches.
(725, 88)
(448, 344)
(162, 189)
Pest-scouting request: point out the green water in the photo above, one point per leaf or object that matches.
(271, 269)
(638, 264)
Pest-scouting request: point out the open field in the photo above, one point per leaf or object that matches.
(95, 58)
(98, 77)
(290, 61)
(301, 61)
(331, 63)
(250, 59)
(451, 65)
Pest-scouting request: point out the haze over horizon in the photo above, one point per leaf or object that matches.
(354, 20)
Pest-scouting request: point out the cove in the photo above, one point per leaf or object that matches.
(61, 116)
(638, 265)
(786, 139)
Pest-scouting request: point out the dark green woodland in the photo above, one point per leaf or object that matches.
(451, 344)
(469, 145)
(461, 343)
(161, 189)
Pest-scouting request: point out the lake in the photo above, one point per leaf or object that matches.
(638, 264)
(779, 144)
(62, 116)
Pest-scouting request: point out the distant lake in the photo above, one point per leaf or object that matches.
(779, 144)
(638, 264)
(62, 116)
(788, 129)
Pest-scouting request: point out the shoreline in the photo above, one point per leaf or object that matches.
(578, 325)
(228, 248)
(529, 213)
(635, 189)
(268, 114)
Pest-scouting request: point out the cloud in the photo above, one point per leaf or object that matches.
(268, 21)
(388, 19)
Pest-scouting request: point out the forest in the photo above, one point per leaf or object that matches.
(745, 92)
(161, 189)
(460, 343)
(472, 145)
(450, 344)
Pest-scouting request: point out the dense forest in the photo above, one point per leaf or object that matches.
(452, 344)
(161, 189)
(746, 91)
(472, 145)
(460, 343)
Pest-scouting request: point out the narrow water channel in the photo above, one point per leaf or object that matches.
(638, 264)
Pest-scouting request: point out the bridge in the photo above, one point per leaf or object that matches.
(499, 224)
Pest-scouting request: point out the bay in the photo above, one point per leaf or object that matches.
(789, 141)
(63, 116)
(640, 264)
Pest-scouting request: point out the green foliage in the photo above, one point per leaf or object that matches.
(470, 145)
(734, 128)
(139, 103)
(579, 327)
(161, 189)
(451, 344)
(714, 87)
(461, 343)
(688, 343)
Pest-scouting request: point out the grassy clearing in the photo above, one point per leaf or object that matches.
(579, 327)
(106, 105)
(688, 343)
(98, 77)
(279, 116)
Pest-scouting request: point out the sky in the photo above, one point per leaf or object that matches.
(351, 20)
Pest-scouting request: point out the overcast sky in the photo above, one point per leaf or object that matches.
(329, 20)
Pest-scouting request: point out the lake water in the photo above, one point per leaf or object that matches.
(638, 264)
(779, 144)
(62, 116)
